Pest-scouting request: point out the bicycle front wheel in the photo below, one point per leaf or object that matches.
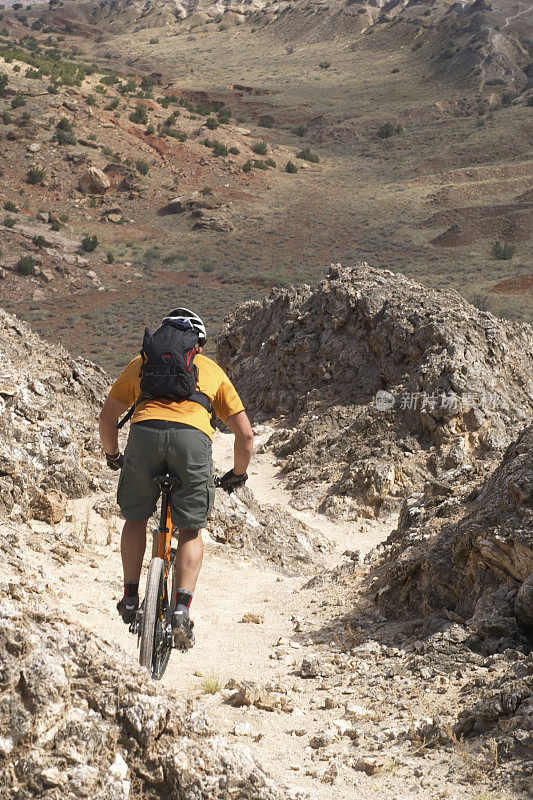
(155, 644)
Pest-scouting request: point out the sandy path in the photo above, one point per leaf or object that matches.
(229, 586)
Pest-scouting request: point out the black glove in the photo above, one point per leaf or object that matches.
(230, 481)
(115, 462)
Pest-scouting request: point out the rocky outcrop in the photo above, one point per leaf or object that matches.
(382, 384)
(79, 720)
(479, 566)
(94, 181)
(49, 404)
(264, 533)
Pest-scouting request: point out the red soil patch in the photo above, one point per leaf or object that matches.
(517, 285)
(512, 222)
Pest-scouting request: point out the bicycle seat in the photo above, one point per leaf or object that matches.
(167, 481)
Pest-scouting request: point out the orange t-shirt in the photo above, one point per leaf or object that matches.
(212, 381)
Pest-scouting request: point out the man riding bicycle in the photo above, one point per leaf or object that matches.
(171, 436)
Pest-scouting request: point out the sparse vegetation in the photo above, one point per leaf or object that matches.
(388, 129)
(260, 148)
(266, 122)
(140, 115)
(9, 222)
(26, 265)
(291, 167)
(324, 64)
(503, 252)
(40, 241)
(9, 205)
(307, 155)
(142, 167)
(35, 175)
(89, 243)
(212, 123)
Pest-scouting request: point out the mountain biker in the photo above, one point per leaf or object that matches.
(174, 437)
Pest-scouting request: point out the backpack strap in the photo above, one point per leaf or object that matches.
(195, 397)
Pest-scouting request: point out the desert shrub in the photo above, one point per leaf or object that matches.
(260, 148)
(395, 70)
(18, 102)
(529, 101)
(142, 167)
(181, 136)
(113, 104)
(247, 167)
(9, 222)
(260, 164)
(89, 243)
(33, 73)
(503, 252)
(35, 175)
(388, 129)
(324, 64)
(150, 130)
(495, 82)
(266, 122)
(207, 190)
(110, 257)
(6, 117)
(291, 167)
(212, 123)
(154, 40)
(307, 155)
(140, 115)
(234, 151)
(52, 89)
(26, 265)
(508, 98)
(55, 225)
(4, 80)
(270, 162)
(40, 241)
(224, 117)
(9, 205)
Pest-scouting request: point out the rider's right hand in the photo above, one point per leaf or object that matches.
(231, 481)
(115, 461)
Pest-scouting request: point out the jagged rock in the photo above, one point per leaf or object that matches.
(395, 382)
(266, 533)
(94, 181)
(523, 607)
(204, 220)
(77, 716)
(43, 431)
(466, 565)
(50, 507)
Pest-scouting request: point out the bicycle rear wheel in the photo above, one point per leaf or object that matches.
(156, 642)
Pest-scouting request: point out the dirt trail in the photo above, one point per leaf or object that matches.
(515, 16)
(229, 586)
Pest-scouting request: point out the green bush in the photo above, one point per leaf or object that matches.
(89, 243)
(18, 102)
(64, 137)
(266, 122)
(4, 80)
(291, 167)
(260, 165)
(154, 40)
(247, 167)
(395, 70)
(110, 257)
(270, 162)
(224, 117)
(55, 225)
(234, 151)
(113, 104)
(207, 190)
(9, 205)
(140, 115)
(35, 175)
(26, 265)
(212, 123)
(40, 241)
(9, 222)
(150, 130)
(495, 82)
(260, 148)
(325, 64)
(307, 155)
(388, 129)
(64, 124)
(503, 252)
(529, 101)
(6, 118)
(142, 167)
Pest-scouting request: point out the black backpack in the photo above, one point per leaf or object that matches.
(168, 369)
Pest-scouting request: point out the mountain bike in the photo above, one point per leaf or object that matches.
(153, 623)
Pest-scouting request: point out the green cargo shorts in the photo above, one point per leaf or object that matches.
(185, 452)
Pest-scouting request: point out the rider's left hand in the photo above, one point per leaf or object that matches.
(116, 461)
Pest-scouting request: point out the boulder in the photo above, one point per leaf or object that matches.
(94, 181)
(49, 507)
